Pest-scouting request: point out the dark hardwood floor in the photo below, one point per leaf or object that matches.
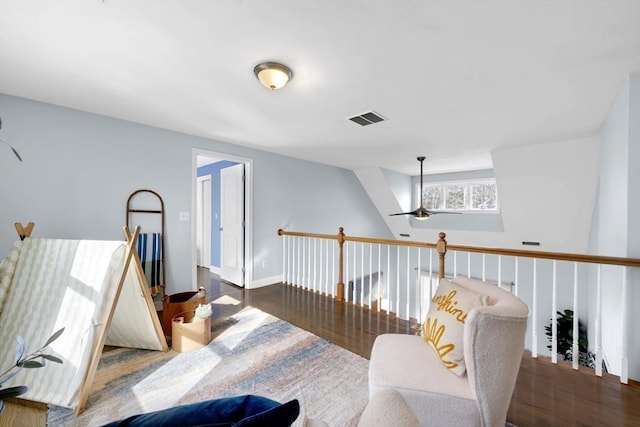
(545, 394)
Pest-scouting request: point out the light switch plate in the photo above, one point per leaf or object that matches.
(184, 216)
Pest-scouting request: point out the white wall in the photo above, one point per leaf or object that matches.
(79, 169)
(547, 194)
(616, 230)
(546, 191)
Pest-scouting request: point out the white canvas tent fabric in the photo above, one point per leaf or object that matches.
(80, 285)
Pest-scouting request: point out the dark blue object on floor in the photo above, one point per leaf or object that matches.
(239, 411)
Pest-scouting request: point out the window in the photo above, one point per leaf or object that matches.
(480, 195)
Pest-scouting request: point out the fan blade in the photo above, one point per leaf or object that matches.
(444, 212)
(404, 213)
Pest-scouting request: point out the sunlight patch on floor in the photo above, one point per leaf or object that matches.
(171, 381)
(226, 300)
(247, 321)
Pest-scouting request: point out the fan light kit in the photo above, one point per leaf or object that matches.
(272, 75)
(422, 213)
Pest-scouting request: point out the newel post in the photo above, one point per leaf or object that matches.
(441, 246)
(340, 285)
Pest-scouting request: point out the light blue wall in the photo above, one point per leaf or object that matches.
(79, 168)
(214, 170)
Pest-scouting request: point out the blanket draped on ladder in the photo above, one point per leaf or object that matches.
(150, 254)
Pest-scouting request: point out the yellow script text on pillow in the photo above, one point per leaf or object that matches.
(443, 327)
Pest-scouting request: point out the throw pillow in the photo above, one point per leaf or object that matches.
(443, 327)
(245, 411)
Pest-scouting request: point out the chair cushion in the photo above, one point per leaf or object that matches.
(387, 408)
(409, 365)
(239, 411)
(403, 361)
(443, 327)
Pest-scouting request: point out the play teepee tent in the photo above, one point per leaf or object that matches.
(96, 290)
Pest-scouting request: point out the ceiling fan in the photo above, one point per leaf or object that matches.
(422, 213)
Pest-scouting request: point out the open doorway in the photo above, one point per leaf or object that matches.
(222, 227)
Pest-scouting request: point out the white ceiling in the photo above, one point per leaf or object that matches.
(456, 79)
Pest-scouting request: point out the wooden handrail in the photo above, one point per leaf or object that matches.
(442, 245)
(346, 238)
(415, 291)
(559, 256)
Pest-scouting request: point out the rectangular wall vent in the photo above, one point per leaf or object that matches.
(367, 118)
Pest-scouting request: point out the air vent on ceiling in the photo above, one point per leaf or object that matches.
(367, 118)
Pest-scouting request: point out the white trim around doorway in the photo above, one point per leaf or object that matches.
(248, 208)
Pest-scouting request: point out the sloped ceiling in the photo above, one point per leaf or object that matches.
(456, 79)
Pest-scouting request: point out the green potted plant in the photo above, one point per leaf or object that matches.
(564, 335)
(37, 359)
(565, 340)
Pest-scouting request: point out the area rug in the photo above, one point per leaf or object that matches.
(252, 353)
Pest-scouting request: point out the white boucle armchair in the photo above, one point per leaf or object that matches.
(493, 347)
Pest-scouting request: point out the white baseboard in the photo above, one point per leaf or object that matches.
(214, 270)
(265, 282)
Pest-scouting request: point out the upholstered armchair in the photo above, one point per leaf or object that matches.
(493, 344)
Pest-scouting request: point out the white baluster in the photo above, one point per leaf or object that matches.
(398, 280)
(290, 261)
(419, 289)
(517, 288)
(333, 269)
(388, 279)
(624, 359)
(346, 268)
(534, 321)
(370, 272)
(575, 346)
(455, 263)
(379, 296)
(408, 283)
(284, 259)
(321, 269)
(310, 272)
(599, 323)
(554, 317)
(362, 273)
(430, 275)
(296, 261)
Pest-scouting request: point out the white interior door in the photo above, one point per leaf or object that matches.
(203, 221)
(232, 224)
(199, 236)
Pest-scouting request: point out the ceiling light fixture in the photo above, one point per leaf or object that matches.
(272, 75)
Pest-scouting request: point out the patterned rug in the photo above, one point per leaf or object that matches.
(252, 353)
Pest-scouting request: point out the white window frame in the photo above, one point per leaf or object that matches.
(467, 183)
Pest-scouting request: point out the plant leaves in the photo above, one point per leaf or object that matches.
(21, 348)
(16, 153)
(9, 376)
(12, 392)
(54, 337)
(52, 358)
(30, 364)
